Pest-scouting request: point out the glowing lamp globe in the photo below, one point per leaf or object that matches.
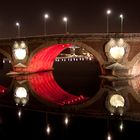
(117, 101)
(20, 53)
(21, 92)
(117, 52)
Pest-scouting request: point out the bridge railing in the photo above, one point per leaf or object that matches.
(74, 36)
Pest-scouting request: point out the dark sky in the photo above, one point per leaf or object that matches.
(84, 16)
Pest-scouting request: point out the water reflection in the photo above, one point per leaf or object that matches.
(87, 94)
(53, 102)
(45, 88)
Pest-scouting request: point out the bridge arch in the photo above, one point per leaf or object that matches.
(134, 65)
(92, 51)
(49, 52)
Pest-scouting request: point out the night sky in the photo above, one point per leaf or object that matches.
(85, 16)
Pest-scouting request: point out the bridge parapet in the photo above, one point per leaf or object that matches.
(95, 43)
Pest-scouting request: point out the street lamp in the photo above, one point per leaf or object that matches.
(108, 12)
(18, 28)
(46, 16)
(121, 18)
(65, 19)
(20, 51)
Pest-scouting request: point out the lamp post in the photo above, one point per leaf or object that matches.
(108, 12)
(46, 16)
(18, 29)
(65, 19)
(121, 18)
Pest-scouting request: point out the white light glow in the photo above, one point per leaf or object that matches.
(121, 126)
(19, 113)
(17, 24)
(117, 52)
(20, 53)
(16, 45)
(108, 137)
(66, 120)
(108, 12)
(121, 16)
(21, 92)
(121, 42)
(117, 100)
(46, 16)
(23, 45)
(48, 129)
(65, 19)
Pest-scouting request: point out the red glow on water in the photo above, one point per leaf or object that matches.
(46, 88)
(2, 89)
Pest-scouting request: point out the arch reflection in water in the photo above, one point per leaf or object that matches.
(46, 88)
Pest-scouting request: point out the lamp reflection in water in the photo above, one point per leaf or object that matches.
(48, 129)
(109, 136)
(121, 126)
(117, 101)
(116, 104)
(21, 96)
(66, 120)
(19, 113)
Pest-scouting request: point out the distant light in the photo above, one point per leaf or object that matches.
(46, 16)
(65, 19)
(121, 16)
(112, 114)
(117, 101)
(108, 12)
(17, 24)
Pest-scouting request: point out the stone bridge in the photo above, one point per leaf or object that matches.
(112, 51)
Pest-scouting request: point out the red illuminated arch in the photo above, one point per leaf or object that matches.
(44, 59)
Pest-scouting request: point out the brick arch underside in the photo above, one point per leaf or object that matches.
(135, 65)
(44, 59)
